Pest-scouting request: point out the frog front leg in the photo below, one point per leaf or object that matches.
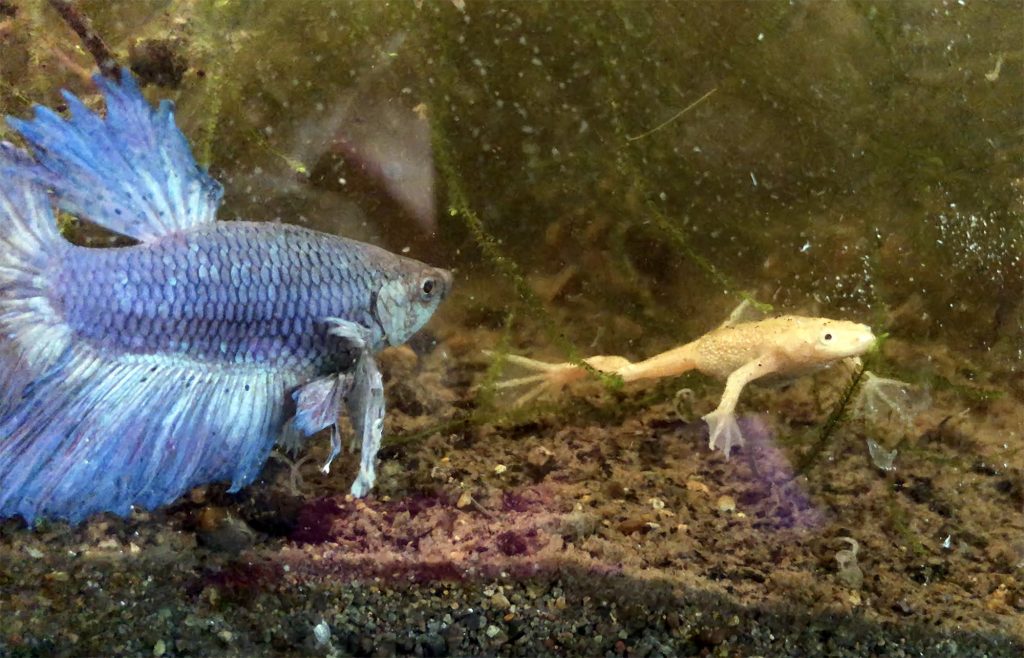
(723, 430)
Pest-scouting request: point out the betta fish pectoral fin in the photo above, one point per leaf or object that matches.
(130, 375)
(365, 403)
(360, 391)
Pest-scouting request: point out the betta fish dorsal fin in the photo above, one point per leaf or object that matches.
(131, 172)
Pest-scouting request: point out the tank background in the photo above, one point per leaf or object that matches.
(853, 160)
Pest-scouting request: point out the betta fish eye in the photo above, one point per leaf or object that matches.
(428, 286)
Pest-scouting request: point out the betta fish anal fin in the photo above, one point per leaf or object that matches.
(132, 173)
(100, 434)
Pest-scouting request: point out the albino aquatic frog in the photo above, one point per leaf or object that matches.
(782, 347)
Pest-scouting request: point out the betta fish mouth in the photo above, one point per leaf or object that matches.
(447, 279)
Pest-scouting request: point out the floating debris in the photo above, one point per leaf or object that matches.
(881, 400)
(849, 573)
(880, 457)
(993, 75)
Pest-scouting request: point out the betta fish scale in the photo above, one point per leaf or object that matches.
(132, 374)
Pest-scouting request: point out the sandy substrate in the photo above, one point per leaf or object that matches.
(598, 524)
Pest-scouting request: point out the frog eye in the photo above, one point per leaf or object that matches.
(827, 337)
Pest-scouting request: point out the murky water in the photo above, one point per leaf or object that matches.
(605, 179)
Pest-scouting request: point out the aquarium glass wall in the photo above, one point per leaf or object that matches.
(603, 179)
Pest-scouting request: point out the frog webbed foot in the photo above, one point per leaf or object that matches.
(547, 378)
(723, 431)
(553, 377)
(291, 441)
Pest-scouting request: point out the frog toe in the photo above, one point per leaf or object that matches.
(723, 431)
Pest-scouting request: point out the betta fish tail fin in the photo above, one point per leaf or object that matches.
(29, 245)
(35, 337)
(85, 427)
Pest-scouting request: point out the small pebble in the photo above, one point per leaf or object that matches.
(219, 531)
(726, 504)
(539, 456)
(198, 495)
(849, 573)
(322, 633)
(500, 602)
(851, 576)
(539, 462)
(698, 486)
(160, 648)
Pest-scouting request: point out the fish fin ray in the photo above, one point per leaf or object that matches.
(318, 403)
(131, 172)
(365, 403)
(97, 434)
(29, 245)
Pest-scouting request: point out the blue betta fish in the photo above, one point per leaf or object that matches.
(129, 375)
